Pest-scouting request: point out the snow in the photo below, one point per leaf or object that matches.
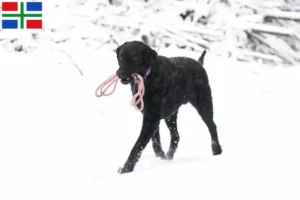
(285, 15)
(224, 27)
(58, 141)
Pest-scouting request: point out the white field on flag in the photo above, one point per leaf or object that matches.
(58, 141)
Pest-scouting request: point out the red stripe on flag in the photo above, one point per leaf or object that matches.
(34, 24)
(9, 6)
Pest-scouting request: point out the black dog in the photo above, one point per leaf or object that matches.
(171, 83)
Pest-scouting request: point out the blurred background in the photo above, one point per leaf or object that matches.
(246, 30)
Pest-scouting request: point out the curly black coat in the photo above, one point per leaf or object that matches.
(172, 82)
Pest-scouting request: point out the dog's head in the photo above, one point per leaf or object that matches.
(133, 57)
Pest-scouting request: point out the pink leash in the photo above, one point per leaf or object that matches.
(103, 87)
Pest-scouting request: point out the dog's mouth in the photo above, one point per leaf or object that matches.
(125, 81)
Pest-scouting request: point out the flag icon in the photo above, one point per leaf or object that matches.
(22, 15)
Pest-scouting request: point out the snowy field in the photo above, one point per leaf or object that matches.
(58, 141)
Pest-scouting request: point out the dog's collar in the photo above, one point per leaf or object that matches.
(148, 72)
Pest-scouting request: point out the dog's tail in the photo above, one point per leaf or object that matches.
(201, 59)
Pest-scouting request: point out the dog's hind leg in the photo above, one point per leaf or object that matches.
(171, 122)
(156, 144)
(149, 127)
(202, 101)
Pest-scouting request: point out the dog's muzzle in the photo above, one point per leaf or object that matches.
(126, 81)
(123, 77)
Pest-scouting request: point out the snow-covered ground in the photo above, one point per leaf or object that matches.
(58, 141)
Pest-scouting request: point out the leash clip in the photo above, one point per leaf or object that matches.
(135, 78)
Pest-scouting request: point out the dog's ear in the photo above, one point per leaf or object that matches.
(148, 54)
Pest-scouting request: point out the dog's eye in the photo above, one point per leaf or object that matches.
(135, 58)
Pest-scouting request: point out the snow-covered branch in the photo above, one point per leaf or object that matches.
(264, 30)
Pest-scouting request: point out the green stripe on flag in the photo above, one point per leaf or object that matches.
(22, 13)
(19, 15)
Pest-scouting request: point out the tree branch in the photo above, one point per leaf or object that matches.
(73, 62)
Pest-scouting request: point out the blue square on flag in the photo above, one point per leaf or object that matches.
(34, 6)
(9, 24)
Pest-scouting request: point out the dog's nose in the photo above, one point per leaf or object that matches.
(121, 74)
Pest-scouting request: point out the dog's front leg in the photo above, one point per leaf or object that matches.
(149, 127)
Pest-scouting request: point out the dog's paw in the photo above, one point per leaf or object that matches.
(160, 154)
(216, 148)
(124, 170)
(169, 156)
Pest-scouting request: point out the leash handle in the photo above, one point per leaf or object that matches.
(102, 89)
(139, 81)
